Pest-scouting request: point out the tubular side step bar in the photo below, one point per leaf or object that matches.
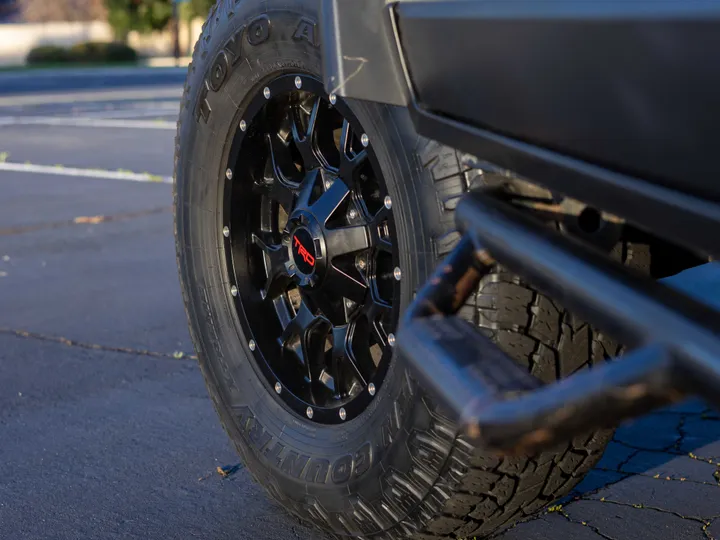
(675, 340)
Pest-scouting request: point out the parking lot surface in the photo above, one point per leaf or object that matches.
(106, 430)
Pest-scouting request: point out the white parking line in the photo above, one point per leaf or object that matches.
(69, 121)
(125, 113)
(87, 173)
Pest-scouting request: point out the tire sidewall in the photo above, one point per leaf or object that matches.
(321, 472)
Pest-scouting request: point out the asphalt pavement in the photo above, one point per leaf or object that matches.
(68, 79)
(106, 430)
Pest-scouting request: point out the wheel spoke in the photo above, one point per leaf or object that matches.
(381, 215)
(329, 201)
(276, 189)
(345, 138)
(346, 363)
(306, 189)
(304, 136)
(349, 160)
(346, 240)
(383, 244)
(348, 165)
(329, 305)
(276, 259)
(276, 183)
(301, 336)
(312, 122)
(339, 284)
(283, 167)
(378, 238)
(340, 351)
(375, 311)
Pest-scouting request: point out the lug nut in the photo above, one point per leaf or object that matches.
(391, 339)
(388, 202)
(309, 412)
(266, 92)
(333, 99)
(233, 290)
(298, 82)
(397, 273)
(243, 125)
(343, 414)
(252, 344)
(226, 231)
(228, 174)
(278, 388)
(365, 140)
(371, 389)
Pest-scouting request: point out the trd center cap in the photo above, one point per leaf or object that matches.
(303, 251)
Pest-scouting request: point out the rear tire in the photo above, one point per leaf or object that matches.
(398, 469)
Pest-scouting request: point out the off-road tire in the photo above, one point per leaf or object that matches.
(399, 469)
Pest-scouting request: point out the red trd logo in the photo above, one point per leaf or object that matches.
(303, 252)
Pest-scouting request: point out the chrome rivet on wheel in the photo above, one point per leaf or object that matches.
(343, 414)
(333, 98)
(252, 345)
(397, 273)
(349, 303)
(352, 213)
(228, 174)
(365, 140)
(233, 290)
(371, 389)
(226, 231)
(243, 125)
(266, 93)
(361, 263)
(298, 82)
(328, 183)
(309, 412)
(278, 388)
(387, 202)
(391, 339)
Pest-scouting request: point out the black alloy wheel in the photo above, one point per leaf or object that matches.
(310, 253)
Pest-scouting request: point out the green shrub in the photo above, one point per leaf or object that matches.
(120, 52)
(48, 54)
(90, 52)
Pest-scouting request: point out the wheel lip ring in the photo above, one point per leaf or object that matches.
(278, 85)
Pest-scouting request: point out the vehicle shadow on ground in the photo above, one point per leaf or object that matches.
(653, 444)
(659, 478)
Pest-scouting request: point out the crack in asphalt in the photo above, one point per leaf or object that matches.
(24, 334)
(671, 451)
(705, 522)
(646, 449)
(680, 427)
(706, 528)
(625, 461)
(716, 463)
(593, 528)
(658, 477)
(83, 220)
